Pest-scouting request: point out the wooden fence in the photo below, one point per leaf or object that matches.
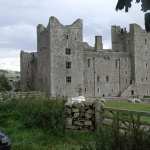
(125, 119)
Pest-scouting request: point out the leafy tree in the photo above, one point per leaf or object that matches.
(145, 6)
(4, 84)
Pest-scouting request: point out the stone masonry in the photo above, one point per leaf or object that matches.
(64, 65)
(83, 116)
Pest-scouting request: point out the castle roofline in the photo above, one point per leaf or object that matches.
(132, 26)
(55, 21)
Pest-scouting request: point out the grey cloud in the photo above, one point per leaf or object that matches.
(18, 37)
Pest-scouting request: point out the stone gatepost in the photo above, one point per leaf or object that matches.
(98, 114)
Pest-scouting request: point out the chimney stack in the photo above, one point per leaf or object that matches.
(98, 43)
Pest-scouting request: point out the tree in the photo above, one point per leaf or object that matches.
(145, 6)
(4, 84)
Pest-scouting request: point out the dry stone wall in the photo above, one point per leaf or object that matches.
(83, 116)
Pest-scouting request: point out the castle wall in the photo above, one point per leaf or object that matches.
(28, 64)
(108, 73)
(119, 38)
(141, 58)
(43, 82)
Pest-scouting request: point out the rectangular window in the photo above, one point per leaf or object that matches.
(116, 63)
(89, 62)
(68, 79)
(68, 51)
(107, 78)
(67, 36)
(98, 78)
(145, 41)
(68, 64)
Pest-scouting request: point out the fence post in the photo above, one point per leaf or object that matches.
(99, 109)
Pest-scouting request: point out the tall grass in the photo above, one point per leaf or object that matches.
(36, 113)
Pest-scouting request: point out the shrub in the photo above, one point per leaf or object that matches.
(4, 84)
(38, 113)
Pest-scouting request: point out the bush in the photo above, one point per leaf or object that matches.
(38, 113)
(4, 84)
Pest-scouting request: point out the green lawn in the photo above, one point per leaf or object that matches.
(129, 106)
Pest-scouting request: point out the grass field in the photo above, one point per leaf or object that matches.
(129, 106)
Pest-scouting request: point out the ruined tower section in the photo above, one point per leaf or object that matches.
(140, 52)
(43, 50)
(66, 58)
(28, 69)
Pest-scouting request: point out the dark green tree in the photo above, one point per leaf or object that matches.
(4, 84)
(145, 6)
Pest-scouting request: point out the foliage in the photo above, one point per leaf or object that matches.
(126, 4)
(41, 113)
(4, 84)
(146, 96)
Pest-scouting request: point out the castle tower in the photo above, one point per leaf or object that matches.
(66, 58)
(119, 39)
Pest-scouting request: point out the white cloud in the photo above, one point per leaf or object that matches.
(10, 63)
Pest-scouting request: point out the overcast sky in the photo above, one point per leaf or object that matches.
(18, 20)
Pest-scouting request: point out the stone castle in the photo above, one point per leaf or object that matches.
(64, 65)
